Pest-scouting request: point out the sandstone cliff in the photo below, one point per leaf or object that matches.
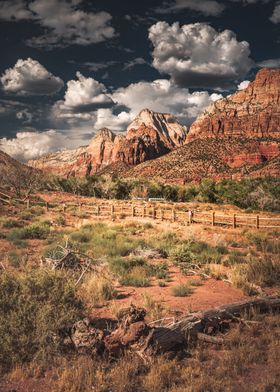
(149, 136)
(252, 113)
(237, 136)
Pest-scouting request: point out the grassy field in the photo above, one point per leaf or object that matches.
(169, 269)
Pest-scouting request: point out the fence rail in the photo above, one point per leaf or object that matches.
(113, 210)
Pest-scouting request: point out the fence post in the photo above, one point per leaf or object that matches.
(154, 212)
(144, 212)
(213, 218)
(47, 206)
(133, 211)
(63, 207)
(161, 214)
(98, 211)
(80, 207)
(27, 203)
(173, 215)
(234, 221)
(112, 211)
(258, 222)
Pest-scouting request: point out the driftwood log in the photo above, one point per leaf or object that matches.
(135, 335)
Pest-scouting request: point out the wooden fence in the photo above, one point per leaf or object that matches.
(112, 210)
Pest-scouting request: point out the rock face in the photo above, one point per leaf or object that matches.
(237, 136)
(251, 113)
(149, 136)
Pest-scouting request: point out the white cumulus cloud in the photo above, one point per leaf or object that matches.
(28, 145)
(64, 22)
(196, 55)
(243, 84)
(29, 77)
(81, 100)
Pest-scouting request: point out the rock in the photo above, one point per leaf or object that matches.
(237, 137)
(149, 136)
(252, 113)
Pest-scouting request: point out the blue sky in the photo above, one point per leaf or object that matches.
(72, 67)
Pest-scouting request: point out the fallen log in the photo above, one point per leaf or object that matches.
(210, 321)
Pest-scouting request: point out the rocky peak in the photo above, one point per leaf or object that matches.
(149, 136)
(104, 134)
(252, 113)
(166, 125)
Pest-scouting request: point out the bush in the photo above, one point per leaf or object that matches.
(97, 289)
(260, 271)
(33, 306)
(10, 223)
(34, 231)
(182, 290)
(137, 277)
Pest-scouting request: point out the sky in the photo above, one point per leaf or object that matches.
(71, 67)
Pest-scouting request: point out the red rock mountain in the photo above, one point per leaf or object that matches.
(251, 113)
(149, 136)
(237, 136)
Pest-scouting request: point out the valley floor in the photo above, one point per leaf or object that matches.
(167, 268)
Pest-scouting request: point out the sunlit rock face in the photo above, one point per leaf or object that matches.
(149, 136)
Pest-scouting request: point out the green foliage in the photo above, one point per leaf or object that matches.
(33, 231)
(255, 194)
(182, 290)
(32, 307)
(9, 223)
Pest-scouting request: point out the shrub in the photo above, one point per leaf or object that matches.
(182, 290)
(97, 289)
(33, 306)
(136, 277)
(182, 254)
(33, 231)
(10, 223)
(260, 271)
(80, 236)
(60, 220)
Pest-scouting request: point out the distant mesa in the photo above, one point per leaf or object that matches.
(236, 137)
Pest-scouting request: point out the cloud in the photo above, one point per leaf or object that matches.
(28, 145)
(29, 77)
(270, 63)
(82, 97)
(13, 10)
(117, 122)
(275, 18)
(205, 7)
(163, 96)
(64, 23)
(92, 66)
(243, 84)
(196, 55)
(25, 116)
(137, 61)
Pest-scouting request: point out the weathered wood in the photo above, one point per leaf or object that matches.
(201, 322)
